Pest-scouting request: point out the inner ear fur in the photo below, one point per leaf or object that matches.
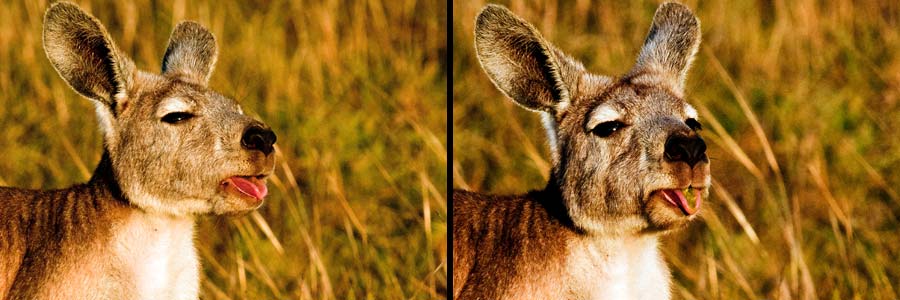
(523, 65)
(83, 54)
(191, 54)
(671, 45)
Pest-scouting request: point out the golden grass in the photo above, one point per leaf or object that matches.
(800, 101)
(355, 91)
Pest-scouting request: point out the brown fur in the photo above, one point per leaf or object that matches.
(499, 238)
(604, 190)
(92, 241)
(50, 230)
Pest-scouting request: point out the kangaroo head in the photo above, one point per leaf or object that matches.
(626, 154)
(175, 146)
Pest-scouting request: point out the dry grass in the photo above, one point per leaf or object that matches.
(800, 100)
(355, 91)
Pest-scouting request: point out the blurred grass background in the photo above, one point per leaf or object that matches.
(799, 101)
(355, 90)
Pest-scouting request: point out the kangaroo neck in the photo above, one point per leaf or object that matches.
(155, 250)
(105, 179)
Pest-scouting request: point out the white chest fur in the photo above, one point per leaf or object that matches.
(620, 268)
(156, 254)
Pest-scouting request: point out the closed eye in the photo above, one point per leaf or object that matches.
(177, 117)
(606, 129)
(693, 124)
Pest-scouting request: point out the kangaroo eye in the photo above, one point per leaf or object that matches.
(176, 117)
(693, 124)
(606, 129)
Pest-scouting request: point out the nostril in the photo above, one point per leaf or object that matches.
(269, 137)
(674, 151)
(698, 148)
(686, 149)
(258, 138)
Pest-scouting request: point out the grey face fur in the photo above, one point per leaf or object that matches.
(608, 135)
(172, 141)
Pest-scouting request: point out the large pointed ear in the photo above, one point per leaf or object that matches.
(671, 44)
(191, 53)
(80, 49)
(521, 63)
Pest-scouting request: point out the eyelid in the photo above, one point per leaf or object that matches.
(601, 114)
(176, 104)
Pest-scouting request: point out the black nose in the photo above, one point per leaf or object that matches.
(259, 138)
(689, 149)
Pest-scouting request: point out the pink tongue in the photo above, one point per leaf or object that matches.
(677, 198)
(251, 187)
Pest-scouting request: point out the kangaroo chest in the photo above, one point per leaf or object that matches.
(156, 257)
(627, 268)
(147, 257)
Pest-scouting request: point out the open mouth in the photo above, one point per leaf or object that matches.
(679, 198)
(246, 186)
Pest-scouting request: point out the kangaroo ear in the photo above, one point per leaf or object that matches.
(521, 63)
(80, 49)
(191, 53)
(671, 44)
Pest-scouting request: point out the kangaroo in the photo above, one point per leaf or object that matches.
(173, 149)
(627, 161)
